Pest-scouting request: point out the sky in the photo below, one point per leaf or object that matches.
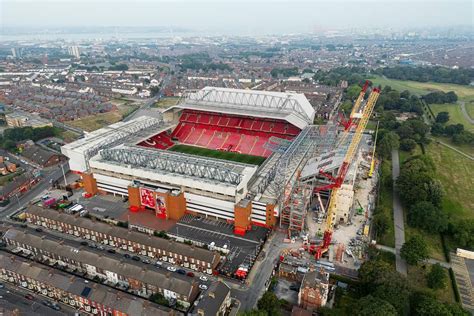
(239, 17)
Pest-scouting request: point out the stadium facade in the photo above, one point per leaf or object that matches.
(178, 162)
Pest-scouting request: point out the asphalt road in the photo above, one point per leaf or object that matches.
(260, 273)
(44, 184)
(466, 115)
(398, 216)
(14, 300)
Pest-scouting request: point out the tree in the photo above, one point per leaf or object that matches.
(372, 271)
(373, 306)
(353, 92)
(437, 129)
(388, 142)
(425, 305)
(428, 217)
(380, 223)
(269, 303)
(463, 233)
(437, 277)
(407, 144)
(414, 250)
(442, 117)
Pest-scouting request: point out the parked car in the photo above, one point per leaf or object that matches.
(136, 258)
(100, 247)
(2, 285)
(126, 255)
(181, 271)
(147, 261)
(29, 296)
(203, 278)
(39, 230)
(84, 243)
(190, 274)
(47, 303)
(203, 286)
(172, 269)
(159, 263)
(294, 287)
(111, 251)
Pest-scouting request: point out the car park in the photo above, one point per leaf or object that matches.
(172, 269)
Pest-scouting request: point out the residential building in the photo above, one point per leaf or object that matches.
(134, 278)
(40, 156)
(214, 302)
(188, 256)
(74, 51)
(91, 298)
(314, 290)
(16, 52)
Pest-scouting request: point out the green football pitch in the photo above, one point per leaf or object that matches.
(226, 155)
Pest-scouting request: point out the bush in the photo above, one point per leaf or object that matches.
(454, 284)
(437, 277)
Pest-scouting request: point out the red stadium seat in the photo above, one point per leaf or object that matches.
(246, 135)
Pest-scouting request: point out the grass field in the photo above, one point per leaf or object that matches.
(455, 114)
(92, 122)
(199, 151)
(456, 173)
(166, 102)
(417, 279)
(421, 88)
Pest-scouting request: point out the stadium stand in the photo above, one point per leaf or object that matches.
(224, 132)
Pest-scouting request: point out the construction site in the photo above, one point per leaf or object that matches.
(327, 206)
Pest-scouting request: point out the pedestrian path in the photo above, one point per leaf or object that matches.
(398, 220)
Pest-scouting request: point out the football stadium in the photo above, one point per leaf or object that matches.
(222, 153)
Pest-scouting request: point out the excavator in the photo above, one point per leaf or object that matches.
(359, 118)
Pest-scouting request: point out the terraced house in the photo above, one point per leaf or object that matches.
(126, 276)
(92, 298)
(188, 256)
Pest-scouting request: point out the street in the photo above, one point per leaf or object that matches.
(13, 299)
(27, 197)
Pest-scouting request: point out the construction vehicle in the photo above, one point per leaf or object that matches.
(372, 163)
(360, 209)
(359, 119)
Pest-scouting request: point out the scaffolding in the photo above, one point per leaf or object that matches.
(295, 194)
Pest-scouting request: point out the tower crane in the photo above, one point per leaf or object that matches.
(361, 119)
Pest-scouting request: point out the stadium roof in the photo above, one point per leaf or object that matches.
(289, 106)
(133, 131)
(177, 169)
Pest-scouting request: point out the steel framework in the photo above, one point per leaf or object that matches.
(120, 135)
(168, 162)
(248, 99)
(296, 195)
